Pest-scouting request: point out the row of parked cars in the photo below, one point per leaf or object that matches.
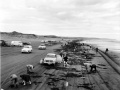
(19, 43)
(28, 48)
(51, 58)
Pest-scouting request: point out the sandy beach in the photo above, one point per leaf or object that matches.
(60, 44)
(112, 45)
(115, 56)
(106, 77)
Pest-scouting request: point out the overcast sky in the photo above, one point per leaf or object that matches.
(81, 18)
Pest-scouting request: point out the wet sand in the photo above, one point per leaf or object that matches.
(115, 56)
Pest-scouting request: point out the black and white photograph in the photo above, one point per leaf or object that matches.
(60, 44)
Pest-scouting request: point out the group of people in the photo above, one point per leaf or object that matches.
(25, 77)
(106, 50)
(89, 67)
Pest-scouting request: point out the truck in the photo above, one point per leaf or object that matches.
(16, 43)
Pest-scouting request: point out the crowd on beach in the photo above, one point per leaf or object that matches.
(26, 78)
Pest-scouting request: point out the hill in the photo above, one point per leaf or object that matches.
(22, 35)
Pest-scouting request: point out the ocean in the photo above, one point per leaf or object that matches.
(102, 44)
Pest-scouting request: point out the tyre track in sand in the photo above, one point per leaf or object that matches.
(107, 80)
(19, 67)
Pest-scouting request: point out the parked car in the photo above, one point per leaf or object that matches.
(27, 49)
(26, 43)
(16, 43)
(44, 41)
(51, 58)
(3, 43)
(42, 46)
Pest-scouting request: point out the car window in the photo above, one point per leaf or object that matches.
(27, 46)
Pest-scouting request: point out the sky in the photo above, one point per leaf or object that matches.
(76, 18)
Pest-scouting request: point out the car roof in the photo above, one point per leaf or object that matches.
(42, 44)
(51, 54)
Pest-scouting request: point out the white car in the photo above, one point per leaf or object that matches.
(42, 46)
(51, 58)
(27, 49)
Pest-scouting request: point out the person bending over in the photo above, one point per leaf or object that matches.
(29, 68)
(14, 80)
(26, 79)
(93, 67)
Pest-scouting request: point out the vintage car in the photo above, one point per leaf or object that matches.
(51, 58)
(42, 46)
(27, 49)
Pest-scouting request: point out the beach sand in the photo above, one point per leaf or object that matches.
(112, 45)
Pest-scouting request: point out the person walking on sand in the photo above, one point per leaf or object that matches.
(29, 68)
(96, 50)
(106, 50)
(14, 79)
(26, 78)
(65, 60)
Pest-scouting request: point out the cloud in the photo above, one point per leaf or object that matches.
(86, 16)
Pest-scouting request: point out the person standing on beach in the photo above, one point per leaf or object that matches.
(65, 60)
(106, 50)
(96, 50)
